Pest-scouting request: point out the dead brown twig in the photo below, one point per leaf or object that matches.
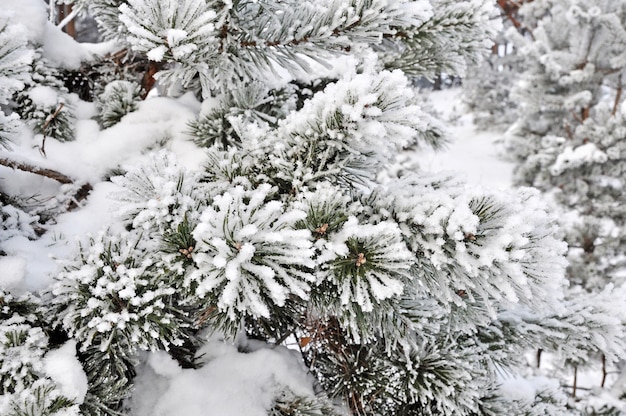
(80, 195)
(44, 129)
(48, 173)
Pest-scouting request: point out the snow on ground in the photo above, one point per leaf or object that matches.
(63, 367)
(471, 153)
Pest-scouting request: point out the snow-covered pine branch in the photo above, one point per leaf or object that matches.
(15, 61)
(249, 255)
(408, 295)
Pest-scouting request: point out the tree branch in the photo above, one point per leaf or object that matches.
(44, 129)
(510, 9)
(618, 95)
(80, 195)
(604, 373)
(48, 173)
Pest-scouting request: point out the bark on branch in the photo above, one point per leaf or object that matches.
(48, 173)
(618, 95)
(81, 194)
(510, 9)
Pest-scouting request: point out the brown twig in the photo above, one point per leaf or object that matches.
(568, 131)
(64, 10)
(80, 195)
(577, 117)
(618, 95)
(510, 8)
(44, 129)
(148, 81)
(222, 36)
(603, 371)
(203, 316)
(48, 173)
(292, 42)
(584, 113)
(539, 351)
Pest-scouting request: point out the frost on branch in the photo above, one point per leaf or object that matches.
(496, 246)
(45, 105)
(253, 103)
(25, 388)
(169, 30)
(345, 133)
(118, 99)
(454, 35)
(158, 194)
(114, 301)
(353, 128)
(15, 60)
(15, 221)
(250, 39)
(592, 325)
(116, 294)
(250, 258)
(366, 267)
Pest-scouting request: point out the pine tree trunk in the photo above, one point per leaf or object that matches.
(539, 351)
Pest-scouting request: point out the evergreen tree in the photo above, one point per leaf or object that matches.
(405, 296)
(569, 142)
(487, 87)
